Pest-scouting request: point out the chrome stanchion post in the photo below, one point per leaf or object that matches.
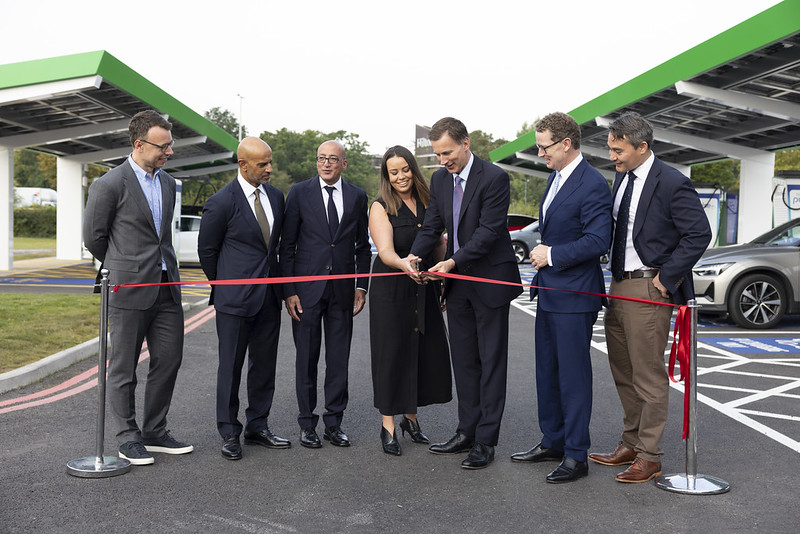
(690, 482)
(100, 466)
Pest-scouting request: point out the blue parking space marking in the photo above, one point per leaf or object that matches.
(48, 281)
(761, 345)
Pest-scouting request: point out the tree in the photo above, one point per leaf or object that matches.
(294, 158)
(34, 169)
(196, 191)
(722, 173)
(788, 160)
(225, 120)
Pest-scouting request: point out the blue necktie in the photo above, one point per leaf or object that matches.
(458, 194)
(552, 194)
(621, 231)
(333, 215)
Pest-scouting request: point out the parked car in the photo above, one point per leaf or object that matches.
(524, 240)
(518, 222)
(755, 283)
(187, 240)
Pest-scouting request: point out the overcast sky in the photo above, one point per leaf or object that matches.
(371, 67)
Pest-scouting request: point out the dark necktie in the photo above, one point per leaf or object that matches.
(333, 215)
(621, 231)
(261, 217)
(458, 194)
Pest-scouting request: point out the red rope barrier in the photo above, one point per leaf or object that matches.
(681, 344)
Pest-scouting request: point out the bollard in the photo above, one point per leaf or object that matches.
(100, 466)
(690, 482)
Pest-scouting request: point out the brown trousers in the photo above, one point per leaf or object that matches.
(636, 336)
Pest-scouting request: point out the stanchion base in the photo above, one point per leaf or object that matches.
(696, 485)
(93, 467)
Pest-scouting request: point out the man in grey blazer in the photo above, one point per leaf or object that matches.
(127, 226)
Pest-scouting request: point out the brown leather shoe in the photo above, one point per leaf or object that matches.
(622, 455)
(640, 471)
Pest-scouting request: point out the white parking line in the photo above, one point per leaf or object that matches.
(730, 364)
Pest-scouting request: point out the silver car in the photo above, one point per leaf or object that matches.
(755, 283)
(524, 240)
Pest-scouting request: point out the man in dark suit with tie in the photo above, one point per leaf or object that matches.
(239, 237)
(660, 232)
(324, 233)
(469, 199)
(127, 225)
(575, 224)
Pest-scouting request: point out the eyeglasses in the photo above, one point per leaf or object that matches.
(332, 159)
(162, 148)
(554, 143)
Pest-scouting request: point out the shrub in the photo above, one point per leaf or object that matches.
(37, 221)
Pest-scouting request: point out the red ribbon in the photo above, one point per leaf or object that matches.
(681, 344)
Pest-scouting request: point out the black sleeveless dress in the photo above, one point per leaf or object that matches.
(408, 341)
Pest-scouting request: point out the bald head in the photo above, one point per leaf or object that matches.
(255, 160)
(330, 170)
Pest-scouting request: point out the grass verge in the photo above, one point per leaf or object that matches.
(27, 248)
(38, 325)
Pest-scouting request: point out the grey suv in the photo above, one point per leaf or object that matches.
(756, 283)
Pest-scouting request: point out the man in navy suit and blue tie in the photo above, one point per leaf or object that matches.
(660, 232)
(575, 224)
(469, 199)
(324, 233)
(239, 237)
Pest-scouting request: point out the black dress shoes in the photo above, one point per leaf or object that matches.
(568, 470)
(231, 448)
(412, 427)
(458, 443)
(310, 439)
(266, 438)
(537, 454)
(479, 456)
(389, 442)
(335, 435)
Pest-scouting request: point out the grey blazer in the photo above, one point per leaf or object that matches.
(118, 230)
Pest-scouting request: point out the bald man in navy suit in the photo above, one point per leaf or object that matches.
(239, 236)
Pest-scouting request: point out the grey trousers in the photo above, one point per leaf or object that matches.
(162, 326)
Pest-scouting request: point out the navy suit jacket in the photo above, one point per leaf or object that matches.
(578, 230)
(486, 250)
(307, 248)
(671, 230)
(230, 246)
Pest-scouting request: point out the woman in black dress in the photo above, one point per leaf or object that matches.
(410, 354)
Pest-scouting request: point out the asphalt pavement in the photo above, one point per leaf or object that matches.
(361, 489)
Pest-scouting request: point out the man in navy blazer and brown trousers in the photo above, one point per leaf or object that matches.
(239, 237)
(469, 199)
(660, 232)
(324, 233)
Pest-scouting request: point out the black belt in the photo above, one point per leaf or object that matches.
(650, 273)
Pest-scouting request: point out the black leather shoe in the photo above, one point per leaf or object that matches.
(389, 442)
(335, 435)
(267, 439)
(310, 439)
(412, 427)
(231, 448)
(537, 454)
(458, 443)
(568, 470)
(479, 456)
